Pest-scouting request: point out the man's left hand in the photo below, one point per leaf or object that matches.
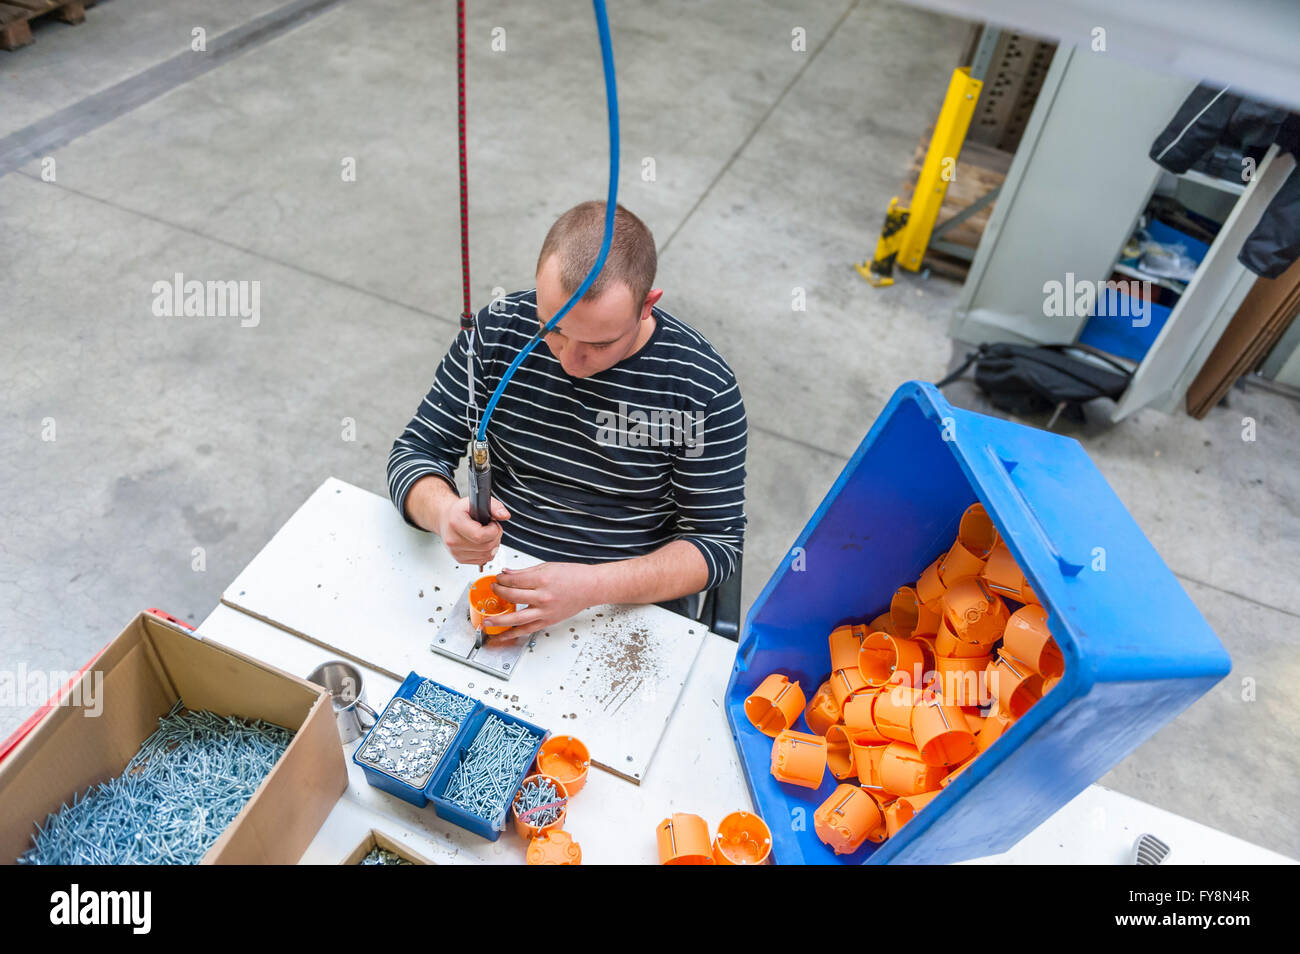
(553, 593)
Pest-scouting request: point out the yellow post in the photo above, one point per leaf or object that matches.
(880, 270)
(907, 230)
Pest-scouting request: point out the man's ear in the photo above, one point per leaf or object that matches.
(651, 300)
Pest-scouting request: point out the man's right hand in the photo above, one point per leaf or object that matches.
(434, 505)
(469, 541)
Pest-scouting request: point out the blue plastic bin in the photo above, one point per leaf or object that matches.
(393, 786)
(1137, 651)
(1116, 334)
(1195, 249)
(412, 682)
(464, 739)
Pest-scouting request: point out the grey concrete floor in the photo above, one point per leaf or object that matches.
(773, 168)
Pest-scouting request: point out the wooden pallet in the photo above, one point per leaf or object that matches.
(16, 17)
(979, 169)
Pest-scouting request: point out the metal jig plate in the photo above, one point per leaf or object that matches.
(456, 639)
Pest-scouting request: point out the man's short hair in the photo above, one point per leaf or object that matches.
(575, 238)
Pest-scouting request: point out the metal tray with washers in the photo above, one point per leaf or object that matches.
(419, 727)
(457, 636)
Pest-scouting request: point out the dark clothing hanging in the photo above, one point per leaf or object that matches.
(1213, 116)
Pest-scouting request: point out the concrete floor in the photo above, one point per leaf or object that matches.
(773, 169)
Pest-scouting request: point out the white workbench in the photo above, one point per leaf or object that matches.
(694, 769)
(347, 573)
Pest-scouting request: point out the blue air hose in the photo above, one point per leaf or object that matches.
(611, 203)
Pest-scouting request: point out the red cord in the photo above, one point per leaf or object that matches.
(467, 316)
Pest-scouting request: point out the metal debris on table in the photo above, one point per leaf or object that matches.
(407, 742)
(484, 783)
(382, 856)
(450, 705)
(174, 799)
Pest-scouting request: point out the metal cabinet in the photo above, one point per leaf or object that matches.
(1072, 196)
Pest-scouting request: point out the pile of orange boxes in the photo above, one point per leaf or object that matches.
(563, 761)
(917, 694)
(743, 839)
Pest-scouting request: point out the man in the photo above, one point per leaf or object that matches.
(618, 446)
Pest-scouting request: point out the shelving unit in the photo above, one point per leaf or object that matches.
(1074, 192)
(1128, 271)
(1214, 182)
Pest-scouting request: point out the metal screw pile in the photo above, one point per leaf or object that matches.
(176, 796)
(407, 742)
(485, 781)
(382, 856)
(450, 705)
(535, 794)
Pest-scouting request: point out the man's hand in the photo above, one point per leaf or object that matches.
(433, 504)
(553, 591)
(468, 540)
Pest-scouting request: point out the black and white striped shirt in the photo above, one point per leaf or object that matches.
(593, 469)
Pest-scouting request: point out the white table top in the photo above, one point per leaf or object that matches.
(696, 770)
(346, 572)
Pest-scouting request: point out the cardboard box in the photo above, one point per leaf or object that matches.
(145, 670)
(377, 839)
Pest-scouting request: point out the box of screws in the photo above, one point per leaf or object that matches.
(403, 749)
(437, 698)
(478, 780)
(171, 803)
(376, 848)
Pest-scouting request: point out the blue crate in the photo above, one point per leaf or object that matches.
(393, 786)
(1136, 649)
(1116, 334)
(460, 746)
(412, 682)
(1168, 235)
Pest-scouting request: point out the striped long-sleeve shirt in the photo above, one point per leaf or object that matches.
(592, 469)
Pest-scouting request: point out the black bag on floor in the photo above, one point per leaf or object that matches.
(1035, 379)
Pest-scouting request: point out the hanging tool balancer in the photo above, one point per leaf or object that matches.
(480, 467)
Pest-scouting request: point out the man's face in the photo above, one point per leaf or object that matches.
(594, 335)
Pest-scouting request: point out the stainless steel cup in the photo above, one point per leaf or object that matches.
(343, 681)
